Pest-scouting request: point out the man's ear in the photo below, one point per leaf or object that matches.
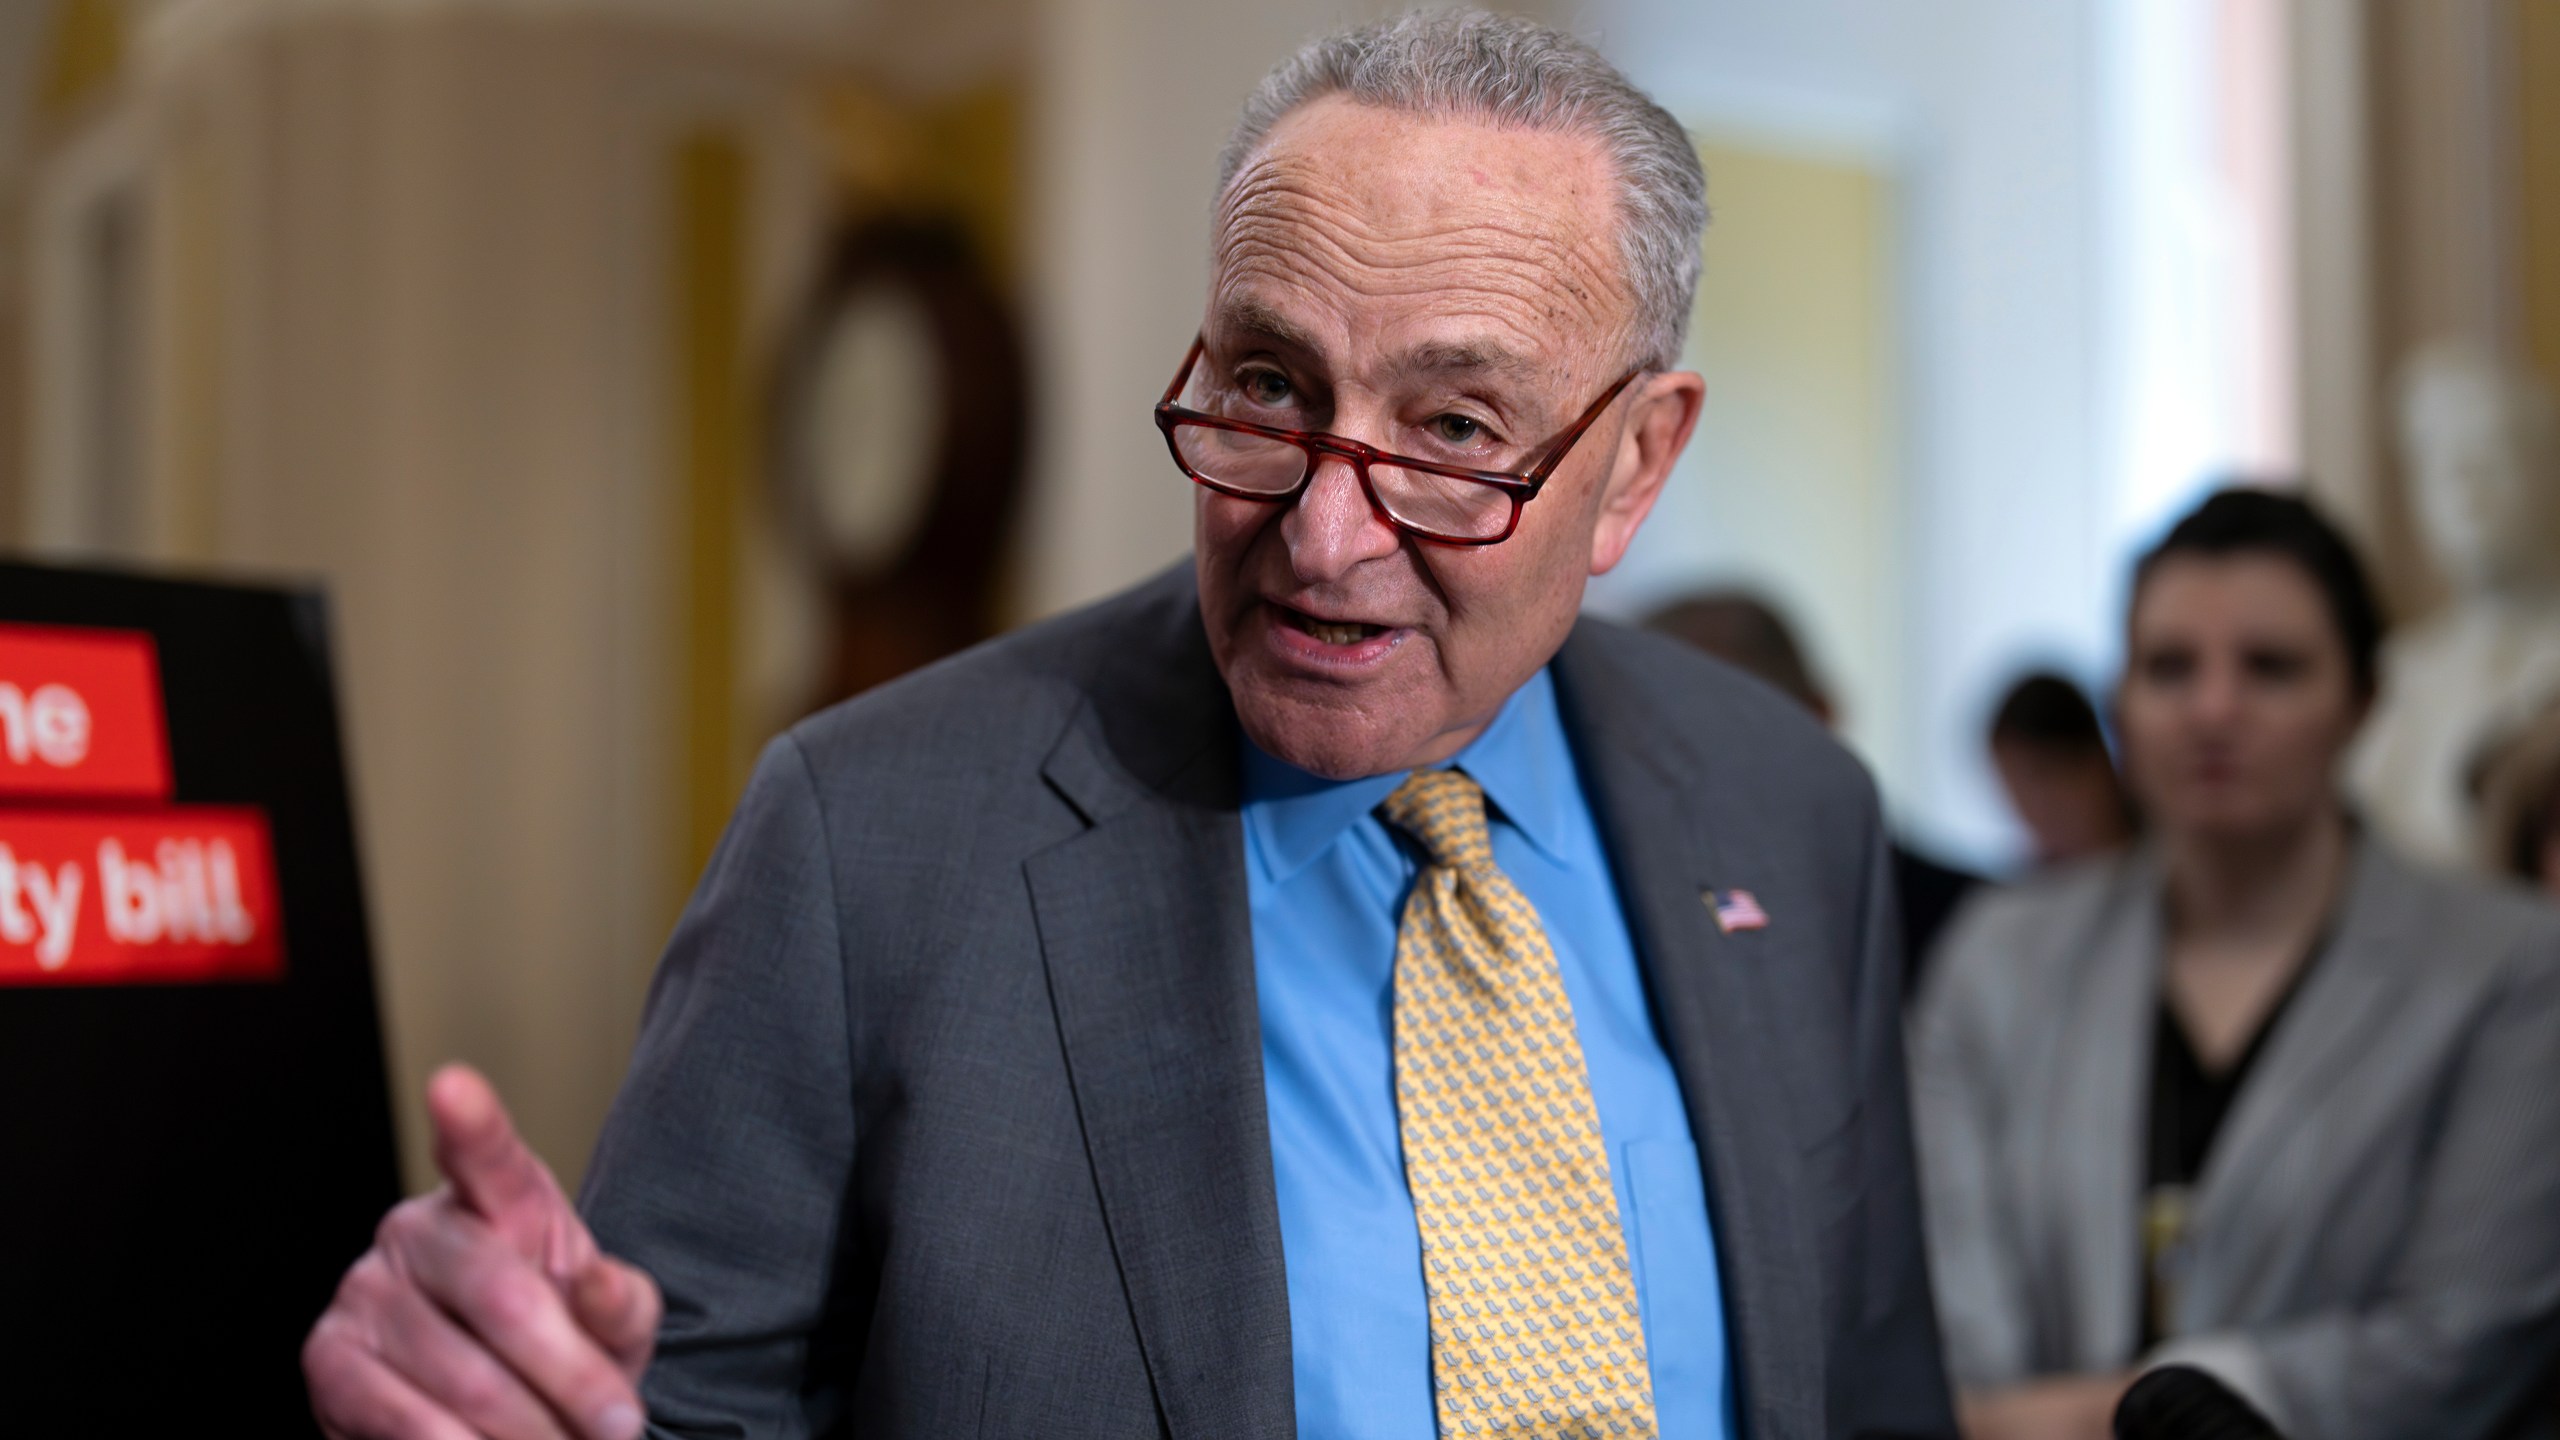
(1659, 419)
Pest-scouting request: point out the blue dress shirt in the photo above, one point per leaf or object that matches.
(1328, 881)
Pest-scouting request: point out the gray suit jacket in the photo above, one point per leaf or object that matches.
(947, 1117)
(2374, 1246)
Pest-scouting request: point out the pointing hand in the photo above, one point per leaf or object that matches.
(484, 1307)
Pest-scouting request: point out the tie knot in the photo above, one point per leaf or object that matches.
(1443, 810)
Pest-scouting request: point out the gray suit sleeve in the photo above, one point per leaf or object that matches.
(2465, 1332)
(1981, 1289)
(723, 1168)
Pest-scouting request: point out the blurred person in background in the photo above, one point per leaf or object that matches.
(2519, 788)
(2051, 756)
(1747, 632)
(2256, 1096)
(1087, 1036)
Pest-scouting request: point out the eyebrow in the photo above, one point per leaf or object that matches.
(1432, 357)
(1255, 318)
(1463, 357)
(1504, 371)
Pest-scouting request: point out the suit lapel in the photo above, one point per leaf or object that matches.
(2326, 1029)
(2094, 1117)
(1671, 832)
(1147, 937)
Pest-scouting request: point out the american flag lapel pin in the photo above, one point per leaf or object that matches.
(1736, 911)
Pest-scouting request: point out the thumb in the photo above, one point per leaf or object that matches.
(497, 1177)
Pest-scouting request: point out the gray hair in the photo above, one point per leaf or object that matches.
(1517, 73)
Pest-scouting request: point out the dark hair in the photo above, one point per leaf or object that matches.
(1744, 630)
(2245, 520)
(2047, 712)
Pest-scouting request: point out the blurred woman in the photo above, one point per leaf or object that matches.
(2254, 1096)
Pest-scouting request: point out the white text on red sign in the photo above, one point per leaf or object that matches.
(185, 894)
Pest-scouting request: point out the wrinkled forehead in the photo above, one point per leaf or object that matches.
(1368, 232)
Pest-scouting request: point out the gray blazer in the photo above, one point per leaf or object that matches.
(2374, 1246)
(947, 1117)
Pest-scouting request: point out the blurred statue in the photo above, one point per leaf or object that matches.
(2481, 442)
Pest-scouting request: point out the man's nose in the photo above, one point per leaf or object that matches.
(1331, 530)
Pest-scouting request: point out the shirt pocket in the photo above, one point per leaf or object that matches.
(1680, 1292)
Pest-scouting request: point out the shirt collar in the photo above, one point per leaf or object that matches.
(1521, 760)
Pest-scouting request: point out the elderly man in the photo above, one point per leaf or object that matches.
(1328, 990)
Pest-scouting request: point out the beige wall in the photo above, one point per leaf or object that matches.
(2336, 352)
(2537, 157)
(2453, 224)
(412, 333)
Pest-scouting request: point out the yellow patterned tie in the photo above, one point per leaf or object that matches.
(1534, 1325)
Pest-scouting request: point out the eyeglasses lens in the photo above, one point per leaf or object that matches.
(1254, 464)
(1436, 505)
(1441, 505)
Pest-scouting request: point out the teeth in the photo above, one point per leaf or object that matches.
(1337, 634)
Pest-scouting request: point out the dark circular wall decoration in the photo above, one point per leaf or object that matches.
(900, 420)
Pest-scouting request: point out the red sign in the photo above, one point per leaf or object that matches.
(80, 714)
(175, 896)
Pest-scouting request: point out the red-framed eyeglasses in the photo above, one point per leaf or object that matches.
(1449, 504)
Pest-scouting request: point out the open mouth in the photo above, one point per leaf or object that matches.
(1330, 632)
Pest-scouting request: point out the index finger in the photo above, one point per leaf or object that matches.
(496, 1176)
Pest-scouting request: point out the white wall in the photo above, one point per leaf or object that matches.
(2096, 273)
(1988, 114)
(1792, 486)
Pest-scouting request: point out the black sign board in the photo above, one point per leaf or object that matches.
(195, 1128)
